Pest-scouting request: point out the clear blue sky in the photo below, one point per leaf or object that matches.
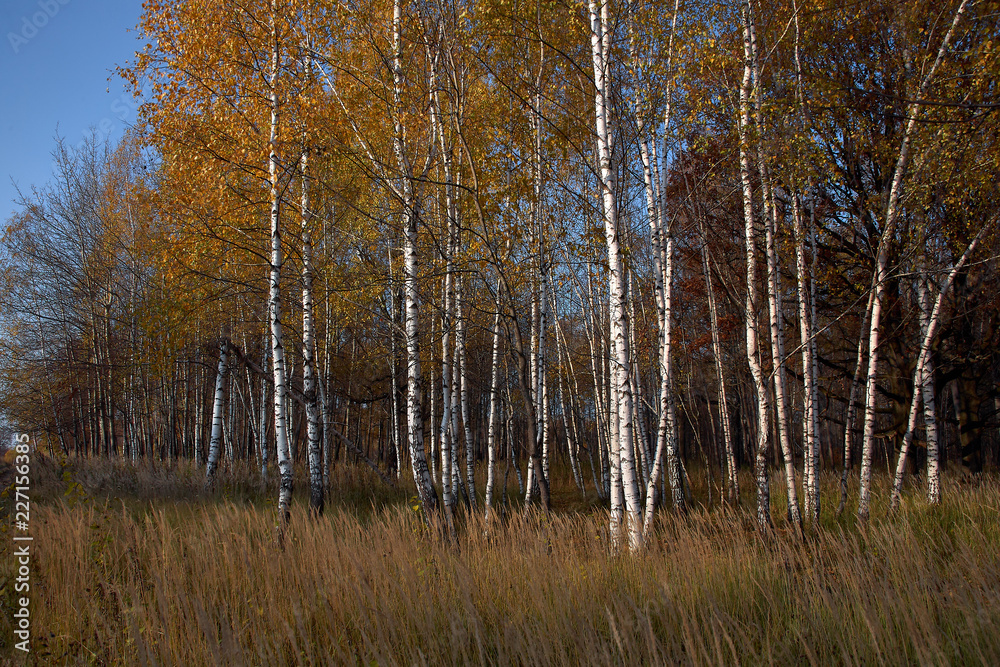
(56, 57)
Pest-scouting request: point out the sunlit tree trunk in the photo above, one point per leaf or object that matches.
(927, 392)
(810, 480)
(393, 323)
(470, 453)
(494, 415)
(732, 481)
(753, 292)
(215, 443)
(445, 433)
(277, 345)
(600, 40)
(919, 382)
(415, 425)
(774, 298)
(880, 279)
(309, 393)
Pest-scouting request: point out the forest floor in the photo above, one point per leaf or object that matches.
(141, 565)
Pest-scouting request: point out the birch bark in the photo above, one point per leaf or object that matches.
(309, 394)
(491, 429)
(753, 293)
(415, 426)
(919, 374)
(277, 345)
(215, 443)
(879, 282)
(927, 396)
(600, 41)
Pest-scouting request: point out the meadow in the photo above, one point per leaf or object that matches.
(143, 566)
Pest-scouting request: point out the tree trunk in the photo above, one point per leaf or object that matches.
(215, 444)
(277, 346)
(920, 371)
(415, 426)
(753, 293)
(880, 279)
(600, 41)
(491, 432)
(309, 393)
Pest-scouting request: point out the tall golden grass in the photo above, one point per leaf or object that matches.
(162, 577)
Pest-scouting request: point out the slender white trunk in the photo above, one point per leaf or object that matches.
(732, 481)
(325, 409)
(930, 403)
(753, 294)
(920, 371)
(215, 443)
(775, 309)
(807, 315)
(445, 434)
(614, 462)
(814, 357)
(456, 381)
(810, 480)
(600, 40)
(774, 300)
(491, 429)
(262, 424)
(435, 467)
(852, 410)
(879, 280)
(199, 417)
(313, 425)
(393, 323)
(277, 345)
(415, 425)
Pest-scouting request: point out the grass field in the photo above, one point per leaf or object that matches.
(142, 566)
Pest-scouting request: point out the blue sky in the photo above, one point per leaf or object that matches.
(56, 57)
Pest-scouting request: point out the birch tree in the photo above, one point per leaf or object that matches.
(600, 45)
(215, 442)
(881, 274)
(920, 384)
(753, 291)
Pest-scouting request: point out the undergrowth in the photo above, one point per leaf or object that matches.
(142, 565)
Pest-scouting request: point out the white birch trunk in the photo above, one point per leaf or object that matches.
(851, 413)
(309, 394)
(774, 299)
(415, 426)
(882, 270)
(810, 479)
(919, 373)
(445, 432)
(215, 443)
(600, 40)
(732, 480)
(277, 345)
(393, 323)
(930, 403)
(456, 381)
(491, 429)
(199, 418)
(753, 294)
(262, 423)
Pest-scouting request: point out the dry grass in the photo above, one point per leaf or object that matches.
(205, 580)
